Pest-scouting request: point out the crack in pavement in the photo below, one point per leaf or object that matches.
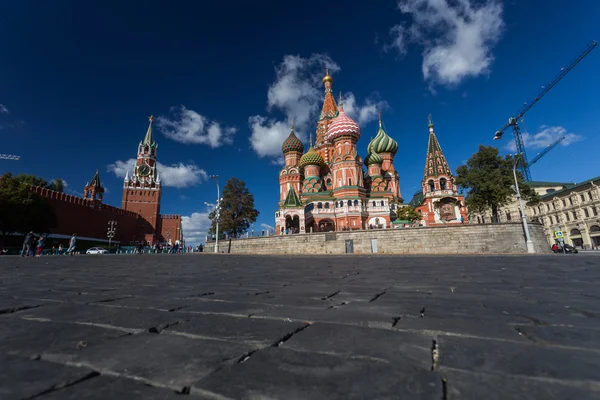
(55, 388)
(378, 295)
(17, 309)
(331, 295)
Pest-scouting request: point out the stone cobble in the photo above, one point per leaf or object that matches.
(300, 327)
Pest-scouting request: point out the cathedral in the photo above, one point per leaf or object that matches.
(327, 189)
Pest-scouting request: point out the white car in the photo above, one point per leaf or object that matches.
(96, 250)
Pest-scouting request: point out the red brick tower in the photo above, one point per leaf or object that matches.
(142, 191)
(441, 204)
(93, 190)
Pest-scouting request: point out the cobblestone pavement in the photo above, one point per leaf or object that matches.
(338, 327)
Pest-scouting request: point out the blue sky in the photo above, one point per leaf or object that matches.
(78, 81)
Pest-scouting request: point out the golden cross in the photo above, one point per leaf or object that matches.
(151, 118)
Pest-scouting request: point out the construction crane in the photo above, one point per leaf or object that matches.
(546, 150)
(9, 157)
(514, 121)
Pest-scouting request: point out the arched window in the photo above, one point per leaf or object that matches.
(595, 228)
(575, 231)
(336, 203)
(349, 182)
(431, 185)
(327, 205)
(374, 204)
(382, 204)
(319, 205)
(349, 203)
(355, 203)
(443, 184)
(508, 215)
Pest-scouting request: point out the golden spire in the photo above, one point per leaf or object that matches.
(292, 123)
(327, 77)
(151, 118)
(379, 115)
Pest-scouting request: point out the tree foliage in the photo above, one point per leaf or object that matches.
(57, 185)
(22, 211)
(488, 179)
(237, 209)
(408, 213)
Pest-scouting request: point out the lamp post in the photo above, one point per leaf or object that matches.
(112, 228)
(529, 243)
(217, 211)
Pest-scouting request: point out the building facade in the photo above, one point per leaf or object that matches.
(326, 188)
(572, 208)
(138, 219)
(438, 202)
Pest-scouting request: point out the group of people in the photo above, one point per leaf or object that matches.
(33, 246)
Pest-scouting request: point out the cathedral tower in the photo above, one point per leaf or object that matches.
(142, 190)
(93, 190)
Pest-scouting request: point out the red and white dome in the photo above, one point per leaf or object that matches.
(342, 125)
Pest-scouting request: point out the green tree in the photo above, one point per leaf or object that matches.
(488, 178)
(57, 185)
(408, 213)
(237, 209)
(20, 209)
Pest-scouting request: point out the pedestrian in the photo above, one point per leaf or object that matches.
(60, 248)
(462, 219)
(72, 244)
(40, 246)
(27, 243)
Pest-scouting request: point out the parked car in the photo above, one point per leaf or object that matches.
(568, 249)
(96, 250)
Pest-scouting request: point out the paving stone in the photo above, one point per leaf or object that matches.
(31, 338)
(287, 374)
(110, 316)
(464, 385)
(406, 350)
(22, 378)
(108, 387)
(224, 306)
(562, 335)
(168, 360)
(243, 329)
(518, 358)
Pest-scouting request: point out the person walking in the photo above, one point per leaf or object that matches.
(27, 243)
(40, 246)
(60, 249)
(72, 244)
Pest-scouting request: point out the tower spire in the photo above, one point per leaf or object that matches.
(148, 139)
(340, 102)
(379, 116)
(435, 163)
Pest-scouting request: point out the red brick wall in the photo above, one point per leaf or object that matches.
(88, 219)
(169, 227)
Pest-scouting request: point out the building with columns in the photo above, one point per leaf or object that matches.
(438, 202)
(326, 188)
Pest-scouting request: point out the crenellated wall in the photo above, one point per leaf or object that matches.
(505, 238)
(87, 218)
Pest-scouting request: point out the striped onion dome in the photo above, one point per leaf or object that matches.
(292, 143)
(311, 158)
(382, 143)
(373, 158)
(342, 125)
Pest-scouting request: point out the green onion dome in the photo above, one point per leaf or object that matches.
(292, 143)
(311, 158)
(373, 158)
(382, 143)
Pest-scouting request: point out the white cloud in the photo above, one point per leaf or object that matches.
(545, 137)
(195, 228)
(3, 109)
(365, 113)
(298, 93)
(189, 127)
(457, 36)
(267, 227)
(178, 175)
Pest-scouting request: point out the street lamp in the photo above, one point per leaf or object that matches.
(529, 243)
(112, 228)
(217, 211)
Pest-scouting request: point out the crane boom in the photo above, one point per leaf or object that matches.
(9, 157)
(514, 121)
(546, 150)
(545, 89)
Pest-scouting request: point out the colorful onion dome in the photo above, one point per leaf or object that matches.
(292, 143)
(373, 158)
(311, 158)
(342, 125)
(382, 143)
